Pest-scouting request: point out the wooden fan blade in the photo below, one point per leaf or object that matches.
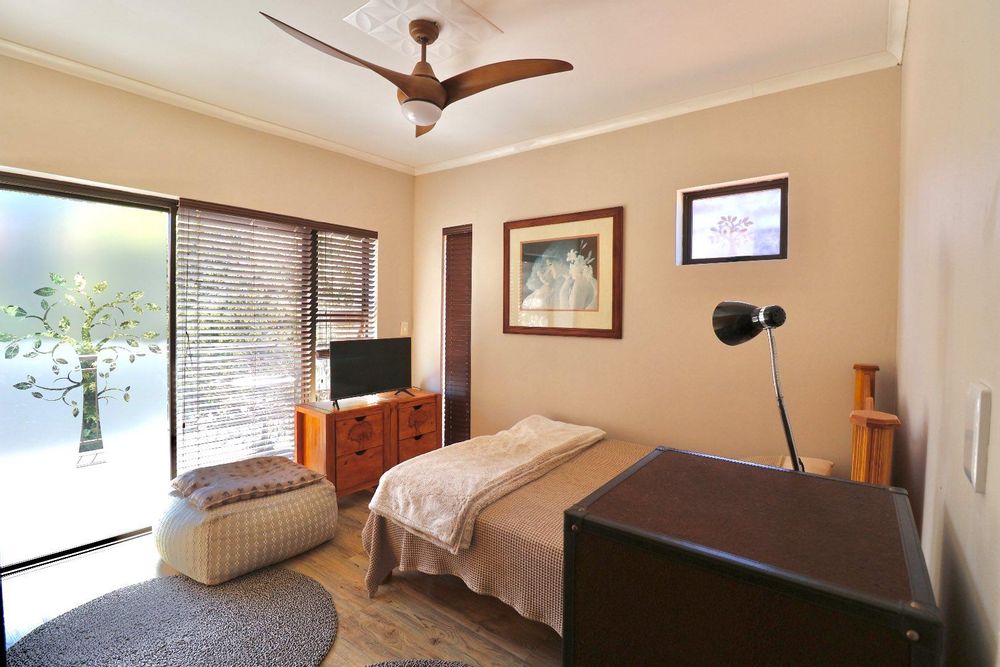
(412, 86)
(482, 78)
(424, 129)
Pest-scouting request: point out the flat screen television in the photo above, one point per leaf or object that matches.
(370, 366)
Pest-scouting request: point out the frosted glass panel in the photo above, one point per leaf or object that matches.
(84, 450)
(737, 222)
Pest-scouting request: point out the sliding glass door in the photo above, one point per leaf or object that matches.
(84, 402)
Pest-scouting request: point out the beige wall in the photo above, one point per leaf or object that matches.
(669, 380)
(950, 302)
(62, 125)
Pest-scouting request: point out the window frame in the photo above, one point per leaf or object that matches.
(124, 197)
(311, 294)
(321, 348)
(324, 352)
(690, 196)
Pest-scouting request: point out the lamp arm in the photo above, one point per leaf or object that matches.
(796, 462)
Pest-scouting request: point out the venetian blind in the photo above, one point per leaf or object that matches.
(247, 297)
(345, 288)
(456, 334)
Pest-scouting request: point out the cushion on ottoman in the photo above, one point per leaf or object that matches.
(255, 477)
(216, 545)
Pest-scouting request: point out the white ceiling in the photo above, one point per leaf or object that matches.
(634, 60)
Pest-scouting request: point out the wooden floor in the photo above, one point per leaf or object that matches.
(413, 615)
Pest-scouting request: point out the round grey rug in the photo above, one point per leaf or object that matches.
(271, 617)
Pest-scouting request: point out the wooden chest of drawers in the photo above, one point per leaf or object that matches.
(355, 444)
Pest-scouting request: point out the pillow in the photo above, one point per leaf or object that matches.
(216, 485)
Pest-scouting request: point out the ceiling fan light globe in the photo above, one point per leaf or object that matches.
(420, 112)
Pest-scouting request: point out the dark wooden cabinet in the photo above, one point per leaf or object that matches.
(354, 444)
(695, 560)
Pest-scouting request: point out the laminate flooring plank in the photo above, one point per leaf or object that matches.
(412, 616)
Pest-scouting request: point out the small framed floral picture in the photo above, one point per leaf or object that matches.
(563, 274)
(735, 223)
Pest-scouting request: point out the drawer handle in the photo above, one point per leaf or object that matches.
(417, 437)
(359, 419)
(361, 453)
(417, 407)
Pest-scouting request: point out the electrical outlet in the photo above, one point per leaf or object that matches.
(404, 328)
(977, 434)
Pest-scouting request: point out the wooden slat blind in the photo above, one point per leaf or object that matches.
(345, 288)
(250, 297)
(456, 334)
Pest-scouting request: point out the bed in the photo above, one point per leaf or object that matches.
(517, 545)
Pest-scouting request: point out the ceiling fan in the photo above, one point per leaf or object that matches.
(421, 96)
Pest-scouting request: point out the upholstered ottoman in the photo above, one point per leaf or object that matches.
(217, 544)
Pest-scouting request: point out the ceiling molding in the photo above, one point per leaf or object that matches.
(895, 38)
(875, 61)
(79, 70)
(892, 56)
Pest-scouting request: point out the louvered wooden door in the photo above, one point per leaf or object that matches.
(456, 334)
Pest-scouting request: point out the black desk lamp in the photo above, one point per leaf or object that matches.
(736, 322)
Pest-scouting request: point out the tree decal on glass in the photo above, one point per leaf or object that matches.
(733, 233)
(109, 320)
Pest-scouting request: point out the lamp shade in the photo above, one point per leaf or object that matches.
(736, 322)
(421, 112)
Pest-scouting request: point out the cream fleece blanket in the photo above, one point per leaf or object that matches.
(437, 496)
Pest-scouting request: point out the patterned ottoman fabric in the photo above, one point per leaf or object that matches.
(219, 544)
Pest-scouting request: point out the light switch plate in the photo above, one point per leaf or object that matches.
(977, 434)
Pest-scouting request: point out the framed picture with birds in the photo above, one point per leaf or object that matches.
(563, 274)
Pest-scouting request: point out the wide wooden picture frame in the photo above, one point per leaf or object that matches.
(563, 274)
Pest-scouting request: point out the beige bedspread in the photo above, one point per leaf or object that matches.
(438, 496)
(517, 545)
